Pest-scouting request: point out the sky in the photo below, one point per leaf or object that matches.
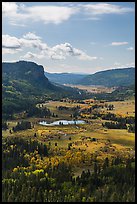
(74, 37)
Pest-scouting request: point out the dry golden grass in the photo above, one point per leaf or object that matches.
(123, 108)
(120, 140)
(94, 89)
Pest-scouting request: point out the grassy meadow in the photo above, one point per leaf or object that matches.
(78, 146)
(106, 142)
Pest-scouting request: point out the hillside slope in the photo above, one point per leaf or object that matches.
(28, 71)
(109, 78)
(24, 84)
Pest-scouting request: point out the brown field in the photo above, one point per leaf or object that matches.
(93, 89)
(124, 108)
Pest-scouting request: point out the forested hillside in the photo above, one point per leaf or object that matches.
(27, 179)
(24, 84)
(109, 78)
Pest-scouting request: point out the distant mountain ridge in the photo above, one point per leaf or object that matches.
(109, 78)
(64, 78)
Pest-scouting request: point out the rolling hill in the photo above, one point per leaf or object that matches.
(110, 78)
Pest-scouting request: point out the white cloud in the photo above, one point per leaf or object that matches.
(31, 40)
(118, 43)
(10, 42)
(28, 40)
(18, 12)
(51, 14)
(63, 49)
(83, 56)
(47, 14)
(31, 36)
(9, 8)
(105, 8)
(66, 49)
(57, 57)
(13, 11)
(130, 48)
(30, 55)
(9, 51)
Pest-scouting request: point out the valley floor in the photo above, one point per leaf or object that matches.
(108, 142)
(78, 145)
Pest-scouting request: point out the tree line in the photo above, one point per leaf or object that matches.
(113, 181)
